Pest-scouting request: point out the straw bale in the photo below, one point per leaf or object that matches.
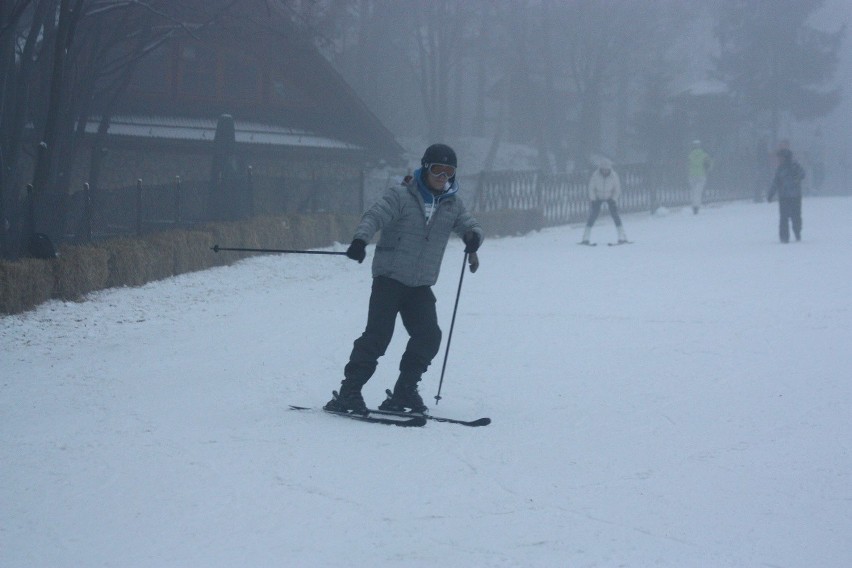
(25, 284)
(80, 270)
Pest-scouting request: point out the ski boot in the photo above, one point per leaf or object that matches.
(404, 397)
(349, 399)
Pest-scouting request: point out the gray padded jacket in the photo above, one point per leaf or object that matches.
(410, 250)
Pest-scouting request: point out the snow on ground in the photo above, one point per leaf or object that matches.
(683, 401)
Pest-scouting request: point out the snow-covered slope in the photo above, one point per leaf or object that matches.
(683, 401)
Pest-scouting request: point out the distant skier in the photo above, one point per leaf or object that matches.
(787, 184)
(604, 187)
(700, 164)
(415, 220)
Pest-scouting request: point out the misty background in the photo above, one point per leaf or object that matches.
(540, 85)
(634, 80)
(146, 425)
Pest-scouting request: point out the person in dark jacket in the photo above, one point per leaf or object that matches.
(787, 184)
(415, 220)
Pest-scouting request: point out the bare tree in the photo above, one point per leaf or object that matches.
(24, 27)
(84, 51)
(438, 31)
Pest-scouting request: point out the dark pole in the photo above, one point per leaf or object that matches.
(217, 248)
(87, 214)
(178, 204)
(138, 207)
(450, 335)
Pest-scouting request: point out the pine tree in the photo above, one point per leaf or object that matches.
(774, 62)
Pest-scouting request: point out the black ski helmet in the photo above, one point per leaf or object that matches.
(439, 154)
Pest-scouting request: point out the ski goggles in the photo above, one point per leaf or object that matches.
(442, 171)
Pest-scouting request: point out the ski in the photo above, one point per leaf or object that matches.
(585, 244)
(620, 243)
(478, 422)
(410, 421)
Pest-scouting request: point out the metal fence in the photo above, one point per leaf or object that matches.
(135, 210)
(557, 198)
(563, 198)
(140, 208)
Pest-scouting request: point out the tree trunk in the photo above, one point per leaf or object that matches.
(16, 102)
(47, 219)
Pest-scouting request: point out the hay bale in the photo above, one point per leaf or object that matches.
(133, 262)
(176, 252)
(80, 270)
(344, 226)
(269, 232)
(162, 246)
(296, 231)
(226, 235)
(194, 252)
(130, 262)
(25, 284)
(248, 237)
(319, 228)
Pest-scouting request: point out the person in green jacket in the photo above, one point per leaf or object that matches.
(700, 164)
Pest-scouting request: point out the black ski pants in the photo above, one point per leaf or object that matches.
(596, 210)
(416, 307)
(790, 212)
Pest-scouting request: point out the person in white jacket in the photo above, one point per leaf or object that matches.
(604, 186)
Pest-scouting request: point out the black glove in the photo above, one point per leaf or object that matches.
(356, 250)
(472, 240)
(473, 261)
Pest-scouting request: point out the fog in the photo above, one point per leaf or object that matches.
(635, 81)
(838, 125)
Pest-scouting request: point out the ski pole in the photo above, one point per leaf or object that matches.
(217, 248)
(450, 335)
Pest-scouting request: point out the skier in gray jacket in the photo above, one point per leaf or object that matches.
(415, 220)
